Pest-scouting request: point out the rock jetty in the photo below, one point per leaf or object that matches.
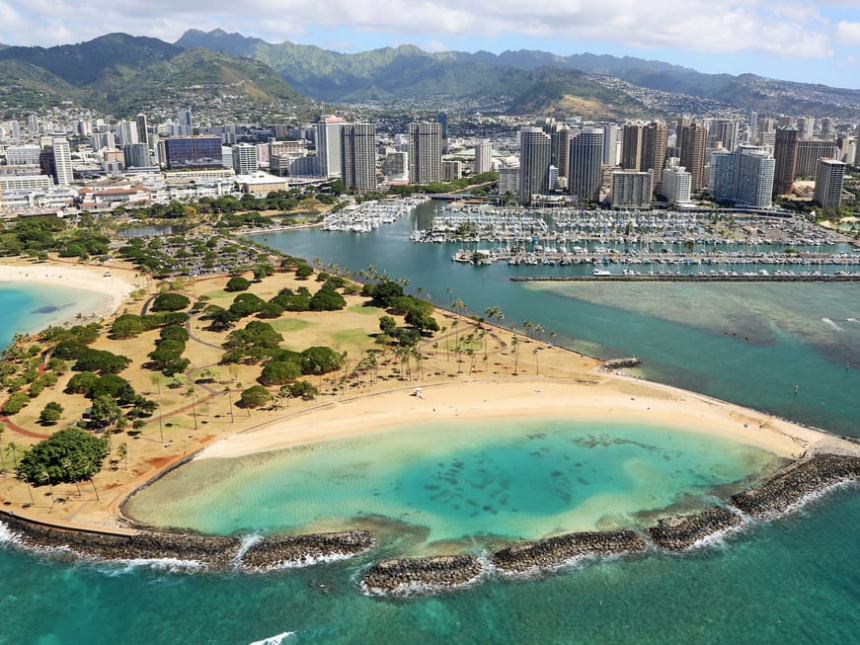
(288, 550)
(680, 533)
(796, 481)
(555, 551)
(621, 363)
(209, 550)
(438, 572)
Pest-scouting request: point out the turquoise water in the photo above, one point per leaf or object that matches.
(455, 480)
(795, 580)
(33, 307)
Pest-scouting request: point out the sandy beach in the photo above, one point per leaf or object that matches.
(612, 399)
(117, 288)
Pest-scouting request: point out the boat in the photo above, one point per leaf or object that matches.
(600, 272)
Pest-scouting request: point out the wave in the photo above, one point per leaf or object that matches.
(277, 639)
(304, 561)
(8, 536)
(831, 324)
(246, 543)
(113, 568)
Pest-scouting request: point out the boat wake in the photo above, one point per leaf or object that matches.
(277, 639)
(831, 324)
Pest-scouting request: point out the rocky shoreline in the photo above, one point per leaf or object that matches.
(682, 532)
(411, 574)
(555, 551)
(299, 550)
(796, 481)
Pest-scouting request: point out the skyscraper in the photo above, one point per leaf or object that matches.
(586, 157)
(62, 161)
(328, 145)
(126, 133)
(535, 154)
(442, 119)
(610, 144)
(630, 189)
(752, 128)
(425, 153)
(142, 129)
(183, 117)
(806, 127)
(808, 154)
(358, 159)
(136, 155)
(785, 153)
(244, 158)
(828, 183)
(192, 152)
(693, 141)
(631, 146)
(723, 131)
(744, 177)
(483, 157)
(722, 179)
(676, 185)
(560, 156)
(654, 141)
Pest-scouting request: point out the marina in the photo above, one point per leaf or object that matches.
(368, 216)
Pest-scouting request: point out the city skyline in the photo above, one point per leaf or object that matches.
(802, 41)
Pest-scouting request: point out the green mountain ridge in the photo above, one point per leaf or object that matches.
(121, 75)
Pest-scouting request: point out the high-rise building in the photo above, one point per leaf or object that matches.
(395, 166)
(677, 183)
(33, 125)
(442, 119)
(654, 141)
(425, 153)
(23, 155)
(828, 183)
(808, 154)
(203, 151)
(586, 158)
(535, 157)
(483, 158)
(827, 128)
(630, 189)
(126, 133)
(509, 181)
(358, 156)
(142, 128)
(610, 144)
(62, 161)
(328, 145)
(723, 131)
(785, 153)
(806, 127)
(752, 127)
(452, 170)
(694, 139)
(560, 136)
(137, 155)
(631, 146)
(744, 177)
(183, 117)
(857, 148)
(245, 159)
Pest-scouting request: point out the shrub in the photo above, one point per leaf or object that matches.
(302, 389)
(237, 283)
(304, 271)
(170, 302)
(15, 403)
(51, 413)
(81, 383)
(101, 361)
(278, 373)
(387, 324)
(254, 397)
(69, 455)
(174, 318)
(68, 350)
(246, 304)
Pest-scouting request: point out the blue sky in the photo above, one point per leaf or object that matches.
(804, 40)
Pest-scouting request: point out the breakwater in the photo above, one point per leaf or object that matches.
(402, 576)
(556, 551)
(621, 363)
(690, 277)
(797, 481)
(298, 550)
(682, 532)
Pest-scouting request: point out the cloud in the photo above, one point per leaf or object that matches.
(435, 46)
(791, 28)
(848, 33)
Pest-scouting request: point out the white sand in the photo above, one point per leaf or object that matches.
(613, 400)
(116, 287)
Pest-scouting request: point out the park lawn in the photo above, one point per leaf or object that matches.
(286, 325)
(366, 310)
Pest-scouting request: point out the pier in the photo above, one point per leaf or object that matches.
(692, 277)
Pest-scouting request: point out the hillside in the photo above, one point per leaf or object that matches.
(26, 88)
(121, 75)
(408, 72)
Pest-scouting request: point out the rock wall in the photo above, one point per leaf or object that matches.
(796, 481)
(555, 551)
(304, 549)
(393, 576)
(680, 533)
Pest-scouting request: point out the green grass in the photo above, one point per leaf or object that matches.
(220, 293)
(289, 324)
(352, 337)
(366, 311)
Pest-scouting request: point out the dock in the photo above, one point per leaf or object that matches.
(855, 277)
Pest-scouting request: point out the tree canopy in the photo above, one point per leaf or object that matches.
(69, 455)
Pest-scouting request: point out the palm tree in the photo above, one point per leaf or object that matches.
(156, 379)
(450, 293)
(515, 341)
(528, 325)
(2, 459)
(26, 480)
(44, 476)
(229, 402)
(89, 466)
(67, 464)
(537, 365)
(193, 394)
(122, 451)
(12, 449)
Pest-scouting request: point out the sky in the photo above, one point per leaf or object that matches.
(804, 40)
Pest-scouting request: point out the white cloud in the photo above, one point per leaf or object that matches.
(848, 33)
(434, 46)
(792, 28)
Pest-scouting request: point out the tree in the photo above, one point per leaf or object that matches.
(302, 389)
(326, 300)
(237, 283)
(421, 320)
(100, 361)
(104, 411)
(51, 414)
(304, 271)
(254, 397)
(170, 302)
(174, 333)
(82, 450)
(320, 360)
(387, 324)
(122, 453)
(15, 403)
(126, 326)
(279, 373)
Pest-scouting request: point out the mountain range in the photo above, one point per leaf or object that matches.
(120, 74)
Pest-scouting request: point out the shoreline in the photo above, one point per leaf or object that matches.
(114, 288)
